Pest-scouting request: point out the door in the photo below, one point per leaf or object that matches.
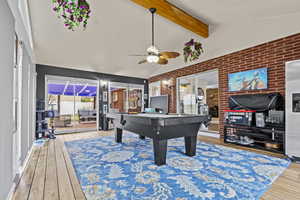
(17, 94)
(118, 97)
(199, 93)
(292, 108)
(124, 97)
(207, 89)
(186, 103)
(74, 103)
(135, 99)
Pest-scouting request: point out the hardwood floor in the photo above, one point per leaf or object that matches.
(50, 175)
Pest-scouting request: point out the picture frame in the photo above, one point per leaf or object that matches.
(105, 96)
(105, 110)
(256, 79)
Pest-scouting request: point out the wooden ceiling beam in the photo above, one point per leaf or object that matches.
(176, 15)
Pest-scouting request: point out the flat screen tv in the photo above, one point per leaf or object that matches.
(160, 103)
(256, 79)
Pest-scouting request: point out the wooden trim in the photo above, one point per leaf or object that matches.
(176, 15)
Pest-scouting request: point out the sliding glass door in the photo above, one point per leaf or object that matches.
(135, 99)
(199, 93)
(187, 96)
(74, 102)
(126, 98)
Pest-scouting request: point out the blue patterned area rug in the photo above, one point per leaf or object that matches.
(107, 170)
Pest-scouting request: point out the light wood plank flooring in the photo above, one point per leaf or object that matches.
(50, 175)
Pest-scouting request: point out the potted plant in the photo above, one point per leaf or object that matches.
(73, 12)
(192, 50)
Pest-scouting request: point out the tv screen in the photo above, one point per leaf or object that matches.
(256, 79)
(160, 103)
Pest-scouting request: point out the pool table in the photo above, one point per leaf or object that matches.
(160, 128)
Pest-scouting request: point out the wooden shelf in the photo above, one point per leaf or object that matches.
(277, 128)
(256, 146)
(261, 136)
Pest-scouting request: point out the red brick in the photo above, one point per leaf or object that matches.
(273, 55)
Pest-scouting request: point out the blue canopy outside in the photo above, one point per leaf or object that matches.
(72, 89)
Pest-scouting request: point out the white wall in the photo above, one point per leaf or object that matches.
(6, 99)
(19, 11)
(24, 12)
(9, 24)
(228, 38)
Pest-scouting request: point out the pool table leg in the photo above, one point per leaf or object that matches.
(142, 137)
(118, 135)
(160, 151)
(190, 145)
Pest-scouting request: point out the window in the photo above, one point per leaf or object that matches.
(154, 89)
(125, 97)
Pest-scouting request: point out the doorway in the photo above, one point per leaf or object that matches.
(199, 93)
(127, 98)
(74, 102)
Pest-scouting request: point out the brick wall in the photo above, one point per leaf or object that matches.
(272, 55)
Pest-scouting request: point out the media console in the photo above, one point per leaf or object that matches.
(256, 121)
(267, 138)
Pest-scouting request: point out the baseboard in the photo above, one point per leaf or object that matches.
(11, 192)
(25, 162)
(20, 174)
(72, 131)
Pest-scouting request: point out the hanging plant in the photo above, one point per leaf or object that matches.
(192, 51)
(73, 12)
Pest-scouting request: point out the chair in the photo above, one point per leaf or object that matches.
(87, 115)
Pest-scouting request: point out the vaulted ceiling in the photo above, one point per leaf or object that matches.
(119, 28)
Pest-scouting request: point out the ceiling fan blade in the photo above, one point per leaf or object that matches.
(162, 61)
(142, 61)
(168, 54)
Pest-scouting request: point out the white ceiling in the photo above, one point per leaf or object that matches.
(119, 28)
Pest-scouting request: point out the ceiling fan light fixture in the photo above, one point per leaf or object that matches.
(153, 53)
(153, 49)
(152, 58)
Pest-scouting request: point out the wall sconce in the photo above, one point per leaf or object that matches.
(103, 83)
(165, 82)
(168, 82)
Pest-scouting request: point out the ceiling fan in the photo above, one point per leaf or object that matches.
(153, 54)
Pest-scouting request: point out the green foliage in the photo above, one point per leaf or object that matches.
(192, 51)
(73, 12)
